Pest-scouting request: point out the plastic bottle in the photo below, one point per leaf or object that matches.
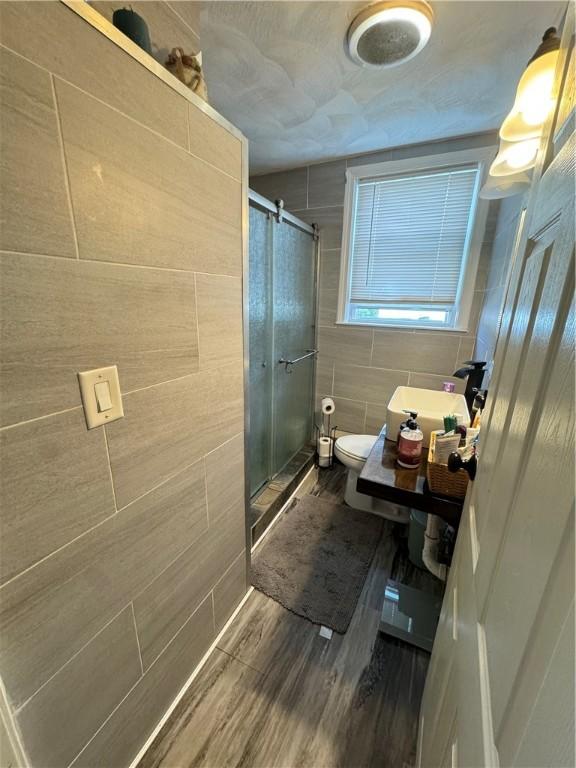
(410, 445)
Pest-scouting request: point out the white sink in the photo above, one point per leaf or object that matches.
(430, 405)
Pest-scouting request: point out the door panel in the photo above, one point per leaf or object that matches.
(510, 665)
(260, 347)
(294, 334)
(530, 545)
(536, 657)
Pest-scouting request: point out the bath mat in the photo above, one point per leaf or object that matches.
(315, 560)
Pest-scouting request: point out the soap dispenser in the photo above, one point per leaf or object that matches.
(412, 415)
(410, 445)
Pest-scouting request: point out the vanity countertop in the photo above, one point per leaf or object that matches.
(383, 478)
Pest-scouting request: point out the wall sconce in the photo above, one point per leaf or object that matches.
(534, 100)
(521, 130)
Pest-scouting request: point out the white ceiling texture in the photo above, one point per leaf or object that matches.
(280, 72)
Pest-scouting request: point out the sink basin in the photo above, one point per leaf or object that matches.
(430, 405)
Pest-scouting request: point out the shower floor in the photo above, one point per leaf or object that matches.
(275, 693)
(268, 501)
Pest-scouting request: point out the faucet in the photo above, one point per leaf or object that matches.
(474, 373)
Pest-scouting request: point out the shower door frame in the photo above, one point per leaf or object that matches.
(275, 210)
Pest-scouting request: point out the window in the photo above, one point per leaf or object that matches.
(412, 242)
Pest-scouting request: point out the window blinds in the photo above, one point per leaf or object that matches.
(409, 236)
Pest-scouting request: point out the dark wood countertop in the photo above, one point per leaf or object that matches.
(383, 478)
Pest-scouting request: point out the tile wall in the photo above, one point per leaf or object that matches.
(361, 367)
(494, 294)
(122, 550)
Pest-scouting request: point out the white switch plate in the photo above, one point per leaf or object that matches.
(88, 381)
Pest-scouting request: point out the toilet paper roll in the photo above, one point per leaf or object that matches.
(328, 406)
(324, 451)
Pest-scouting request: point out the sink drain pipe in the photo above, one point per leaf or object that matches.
(430, 549)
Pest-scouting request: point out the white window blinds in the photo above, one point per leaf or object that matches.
(409, 236)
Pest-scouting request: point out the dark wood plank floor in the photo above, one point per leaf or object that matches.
(275, 694)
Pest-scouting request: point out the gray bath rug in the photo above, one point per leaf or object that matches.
(315, 560)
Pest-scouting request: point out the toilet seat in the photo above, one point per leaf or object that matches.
(353, 450)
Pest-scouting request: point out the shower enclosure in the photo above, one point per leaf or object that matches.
(282, 339)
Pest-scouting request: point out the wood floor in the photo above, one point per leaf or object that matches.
(277, 694)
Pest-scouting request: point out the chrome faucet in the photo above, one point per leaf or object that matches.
(474, 374)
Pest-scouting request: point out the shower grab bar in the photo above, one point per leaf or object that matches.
(309, 353)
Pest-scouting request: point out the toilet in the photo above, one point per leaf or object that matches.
(352, 451)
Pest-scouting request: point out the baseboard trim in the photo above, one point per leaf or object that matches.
(188, 682)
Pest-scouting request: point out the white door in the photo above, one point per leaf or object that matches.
(500, 690)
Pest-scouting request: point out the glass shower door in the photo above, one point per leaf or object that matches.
(260, 347)
(282, 269)
(294, 268)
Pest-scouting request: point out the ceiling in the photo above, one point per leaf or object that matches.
(279, 71)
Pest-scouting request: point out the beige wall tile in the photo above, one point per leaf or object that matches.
(61, 317)
(189, 12)
(326, 183)
(356, 382)
(290, 186)
(55, 485)
(434, 381)
(324, 378)
(349, 415)
(92, 62)
(327, 306)
(370, 158)
(426, 352)
(466, 350)
(225, 476)
(219, 320)
(8, 750)
(329, 221)
(50, 612)
(167, 30)
(167, 427)
(69, 709)
(34, 210)
(139, 199)
(229, 591)
(168, 601)
(330, 269)
(376, 415)
(455, 144)
(117, 743)
(345, 345)
(213, 143)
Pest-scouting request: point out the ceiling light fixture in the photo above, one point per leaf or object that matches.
(522, 129)
(389, 33)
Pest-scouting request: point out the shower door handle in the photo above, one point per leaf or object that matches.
(288, 363)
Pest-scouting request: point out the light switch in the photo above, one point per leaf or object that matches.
(101, 397)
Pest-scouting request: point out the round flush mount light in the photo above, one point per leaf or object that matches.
(389, 33)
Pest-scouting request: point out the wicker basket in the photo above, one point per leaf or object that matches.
(446, 483)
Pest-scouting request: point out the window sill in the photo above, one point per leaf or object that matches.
(392, 327)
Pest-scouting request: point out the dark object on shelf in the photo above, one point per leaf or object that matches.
(474, 374)
(134, 27)
(455, 462)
